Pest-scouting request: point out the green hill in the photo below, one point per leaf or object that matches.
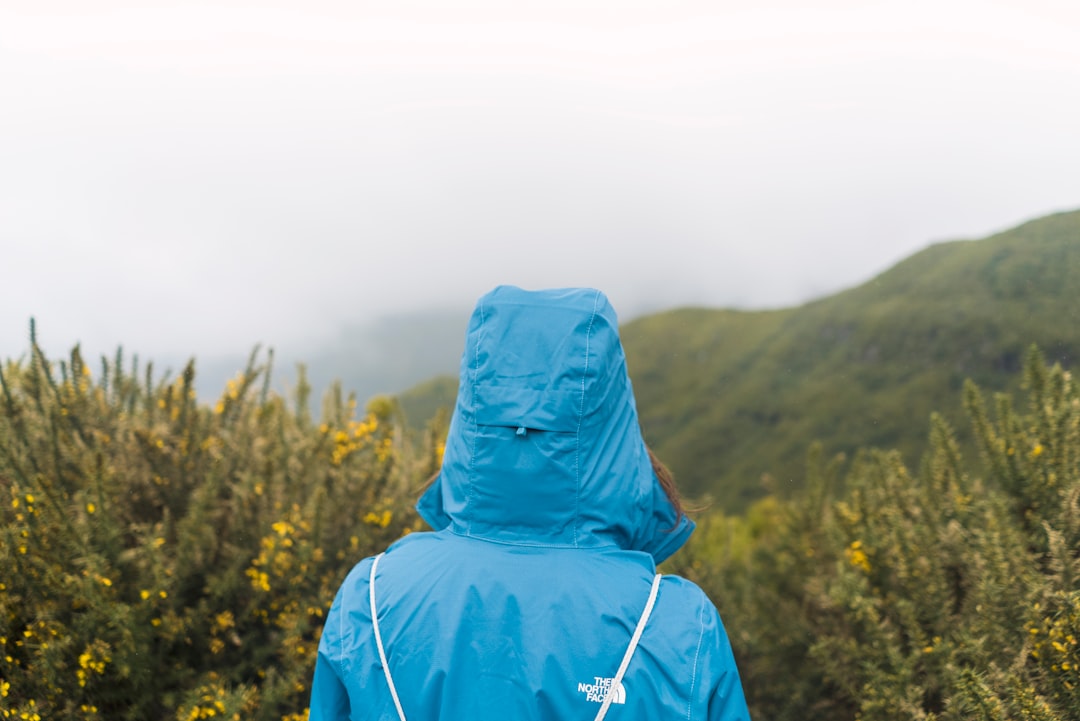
(727, 397)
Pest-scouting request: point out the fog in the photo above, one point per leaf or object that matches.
(195, 178)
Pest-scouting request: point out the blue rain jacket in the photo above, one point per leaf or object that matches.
(549, 523)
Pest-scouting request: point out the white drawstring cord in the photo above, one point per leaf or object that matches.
(378, 638)
(617, 681)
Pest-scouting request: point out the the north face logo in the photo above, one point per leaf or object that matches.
(598, 689)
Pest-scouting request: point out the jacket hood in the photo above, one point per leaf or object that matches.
(544, 446)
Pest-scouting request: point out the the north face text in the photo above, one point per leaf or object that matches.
(598, 689)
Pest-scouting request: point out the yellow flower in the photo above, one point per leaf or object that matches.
(857, 557)
(144, 594)
(105, 581)
(260, 581)
(224, 620)
(90, 508)
(302, 716)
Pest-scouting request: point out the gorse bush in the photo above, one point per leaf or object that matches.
(161, 558)
(940, 594)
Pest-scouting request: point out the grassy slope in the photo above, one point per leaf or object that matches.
(726, 396)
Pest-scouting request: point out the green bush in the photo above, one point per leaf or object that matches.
(928, 595)
(162, 558)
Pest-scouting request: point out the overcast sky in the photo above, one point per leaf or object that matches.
(196, 177)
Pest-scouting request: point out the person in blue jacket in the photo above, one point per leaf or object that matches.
(536, 596)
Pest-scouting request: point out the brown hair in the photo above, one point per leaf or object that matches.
(667, 482)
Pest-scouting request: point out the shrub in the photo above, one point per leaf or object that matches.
(918, 595)
(162, 558)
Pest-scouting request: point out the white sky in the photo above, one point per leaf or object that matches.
(197, 177)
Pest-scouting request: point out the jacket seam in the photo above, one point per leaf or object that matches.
(475, 420)
(526, 544)
(581, 413)
(340, 660)
(697, 656)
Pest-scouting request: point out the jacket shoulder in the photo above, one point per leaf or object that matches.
(688, 622)
(685, 594)
(715, 683)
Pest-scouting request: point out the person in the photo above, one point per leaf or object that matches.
(536, 596)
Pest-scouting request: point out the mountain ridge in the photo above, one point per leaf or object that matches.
(860, 367)
(731, 398)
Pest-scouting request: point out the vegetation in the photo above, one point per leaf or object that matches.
(165, 559)
(936, 594)
(727, 397)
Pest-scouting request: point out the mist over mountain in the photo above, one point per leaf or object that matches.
(732, 400)
(387, 355)
(383, 356)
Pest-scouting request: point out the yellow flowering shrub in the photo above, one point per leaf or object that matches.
(163, 558)
(946, 593)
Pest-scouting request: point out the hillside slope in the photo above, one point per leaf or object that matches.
(728, 396)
